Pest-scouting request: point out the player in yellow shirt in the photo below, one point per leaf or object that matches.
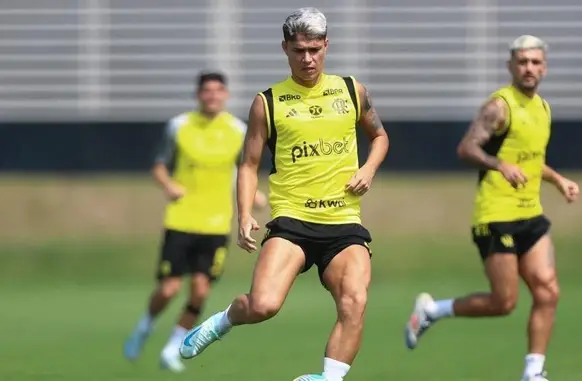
(508, 140)
(195, 166)
(308, 122)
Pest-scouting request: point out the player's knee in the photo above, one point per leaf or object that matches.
(352, 305)
(170, 287)
(504, 305)
(546, 290)
(264, 307)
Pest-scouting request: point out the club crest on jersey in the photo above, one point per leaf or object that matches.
(340, 106)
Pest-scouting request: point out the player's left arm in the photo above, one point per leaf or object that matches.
(372, 125)
(566, 186)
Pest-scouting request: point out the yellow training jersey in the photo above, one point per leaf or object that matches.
(522, 142)
(202, 154)
(312, 138)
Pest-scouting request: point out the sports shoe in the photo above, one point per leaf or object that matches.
(419, 322)
(311, 377)
(538, 377)
(134, 344)
(200, 337)
(171, 360)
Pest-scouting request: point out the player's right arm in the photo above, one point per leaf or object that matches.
(490, 120)
(248, 177)
(164, 156)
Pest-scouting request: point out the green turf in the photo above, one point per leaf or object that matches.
(66, 309)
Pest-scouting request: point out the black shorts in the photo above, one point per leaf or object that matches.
(515, 237)
(320, 242)
(188, 253)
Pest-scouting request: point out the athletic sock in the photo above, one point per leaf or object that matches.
(441, 308)
(175, 340)
(534, 365)
(145, 323)
(334, 370)
(223, 323)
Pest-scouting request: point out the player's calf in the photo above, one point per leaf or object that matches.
(537, 269)
(347, 277)
(162, 295)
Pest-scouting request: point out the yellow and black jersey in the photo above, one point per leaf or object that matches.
(522, 142)
(202, 154)
(312, 138)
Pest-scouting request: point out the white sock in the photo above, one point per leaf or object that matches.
(441, 308)
(534, 365)
(334, 370)
(175, 339)
(223, 324)
(145, 323)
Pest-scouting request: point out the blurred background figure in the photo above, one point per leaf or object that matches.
(195, 168)
(87, 88)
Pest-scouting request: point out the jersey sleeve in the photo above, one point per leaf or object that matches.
(166, 149)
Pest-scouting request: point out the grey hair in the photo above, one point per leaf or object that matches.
(527, 42)
(309, 21)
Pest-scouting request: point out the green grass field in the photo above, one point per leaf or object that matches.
(68, 305)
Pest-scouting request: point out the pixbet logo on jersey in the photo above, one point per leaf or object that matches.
(321, 147)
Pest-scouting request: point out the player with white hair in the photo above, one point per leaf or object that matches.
(508, 140)
(308, 121)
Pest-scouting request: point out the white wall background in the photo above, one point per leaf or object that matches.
(136, 59)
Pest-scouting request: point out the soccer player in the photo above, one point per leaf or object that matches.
(195, 167)
(507, 140)
(308, 121)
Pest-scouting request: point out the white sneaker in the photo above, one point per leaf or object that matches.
(134, 344)
(171, 360)
(419, 321)
(538, 377)
(311, 377)
(200, 337)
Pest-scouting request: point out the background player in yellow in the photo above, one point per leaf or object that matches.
(195, 167)
(308, 121)
(508, 140)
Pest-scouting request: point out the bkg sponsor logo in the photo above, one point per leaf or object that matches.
(328, 92)
(289, 97)
(323, 204)
(321, 147)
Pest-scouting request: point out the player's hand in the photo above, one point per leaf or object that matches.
(260, 200)
(361, 181)
(513, 174)
(245, 241)
(174, 191)
(568, 188)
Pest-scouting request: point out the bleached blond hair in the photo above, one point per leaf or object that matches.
(527, 42)
(308, 21)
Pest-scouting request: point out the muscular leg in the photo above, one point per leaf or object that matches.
(277, 267)
(502, 272)
(347, 277)
(167, 288)
(199, 290)
(537, 268)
